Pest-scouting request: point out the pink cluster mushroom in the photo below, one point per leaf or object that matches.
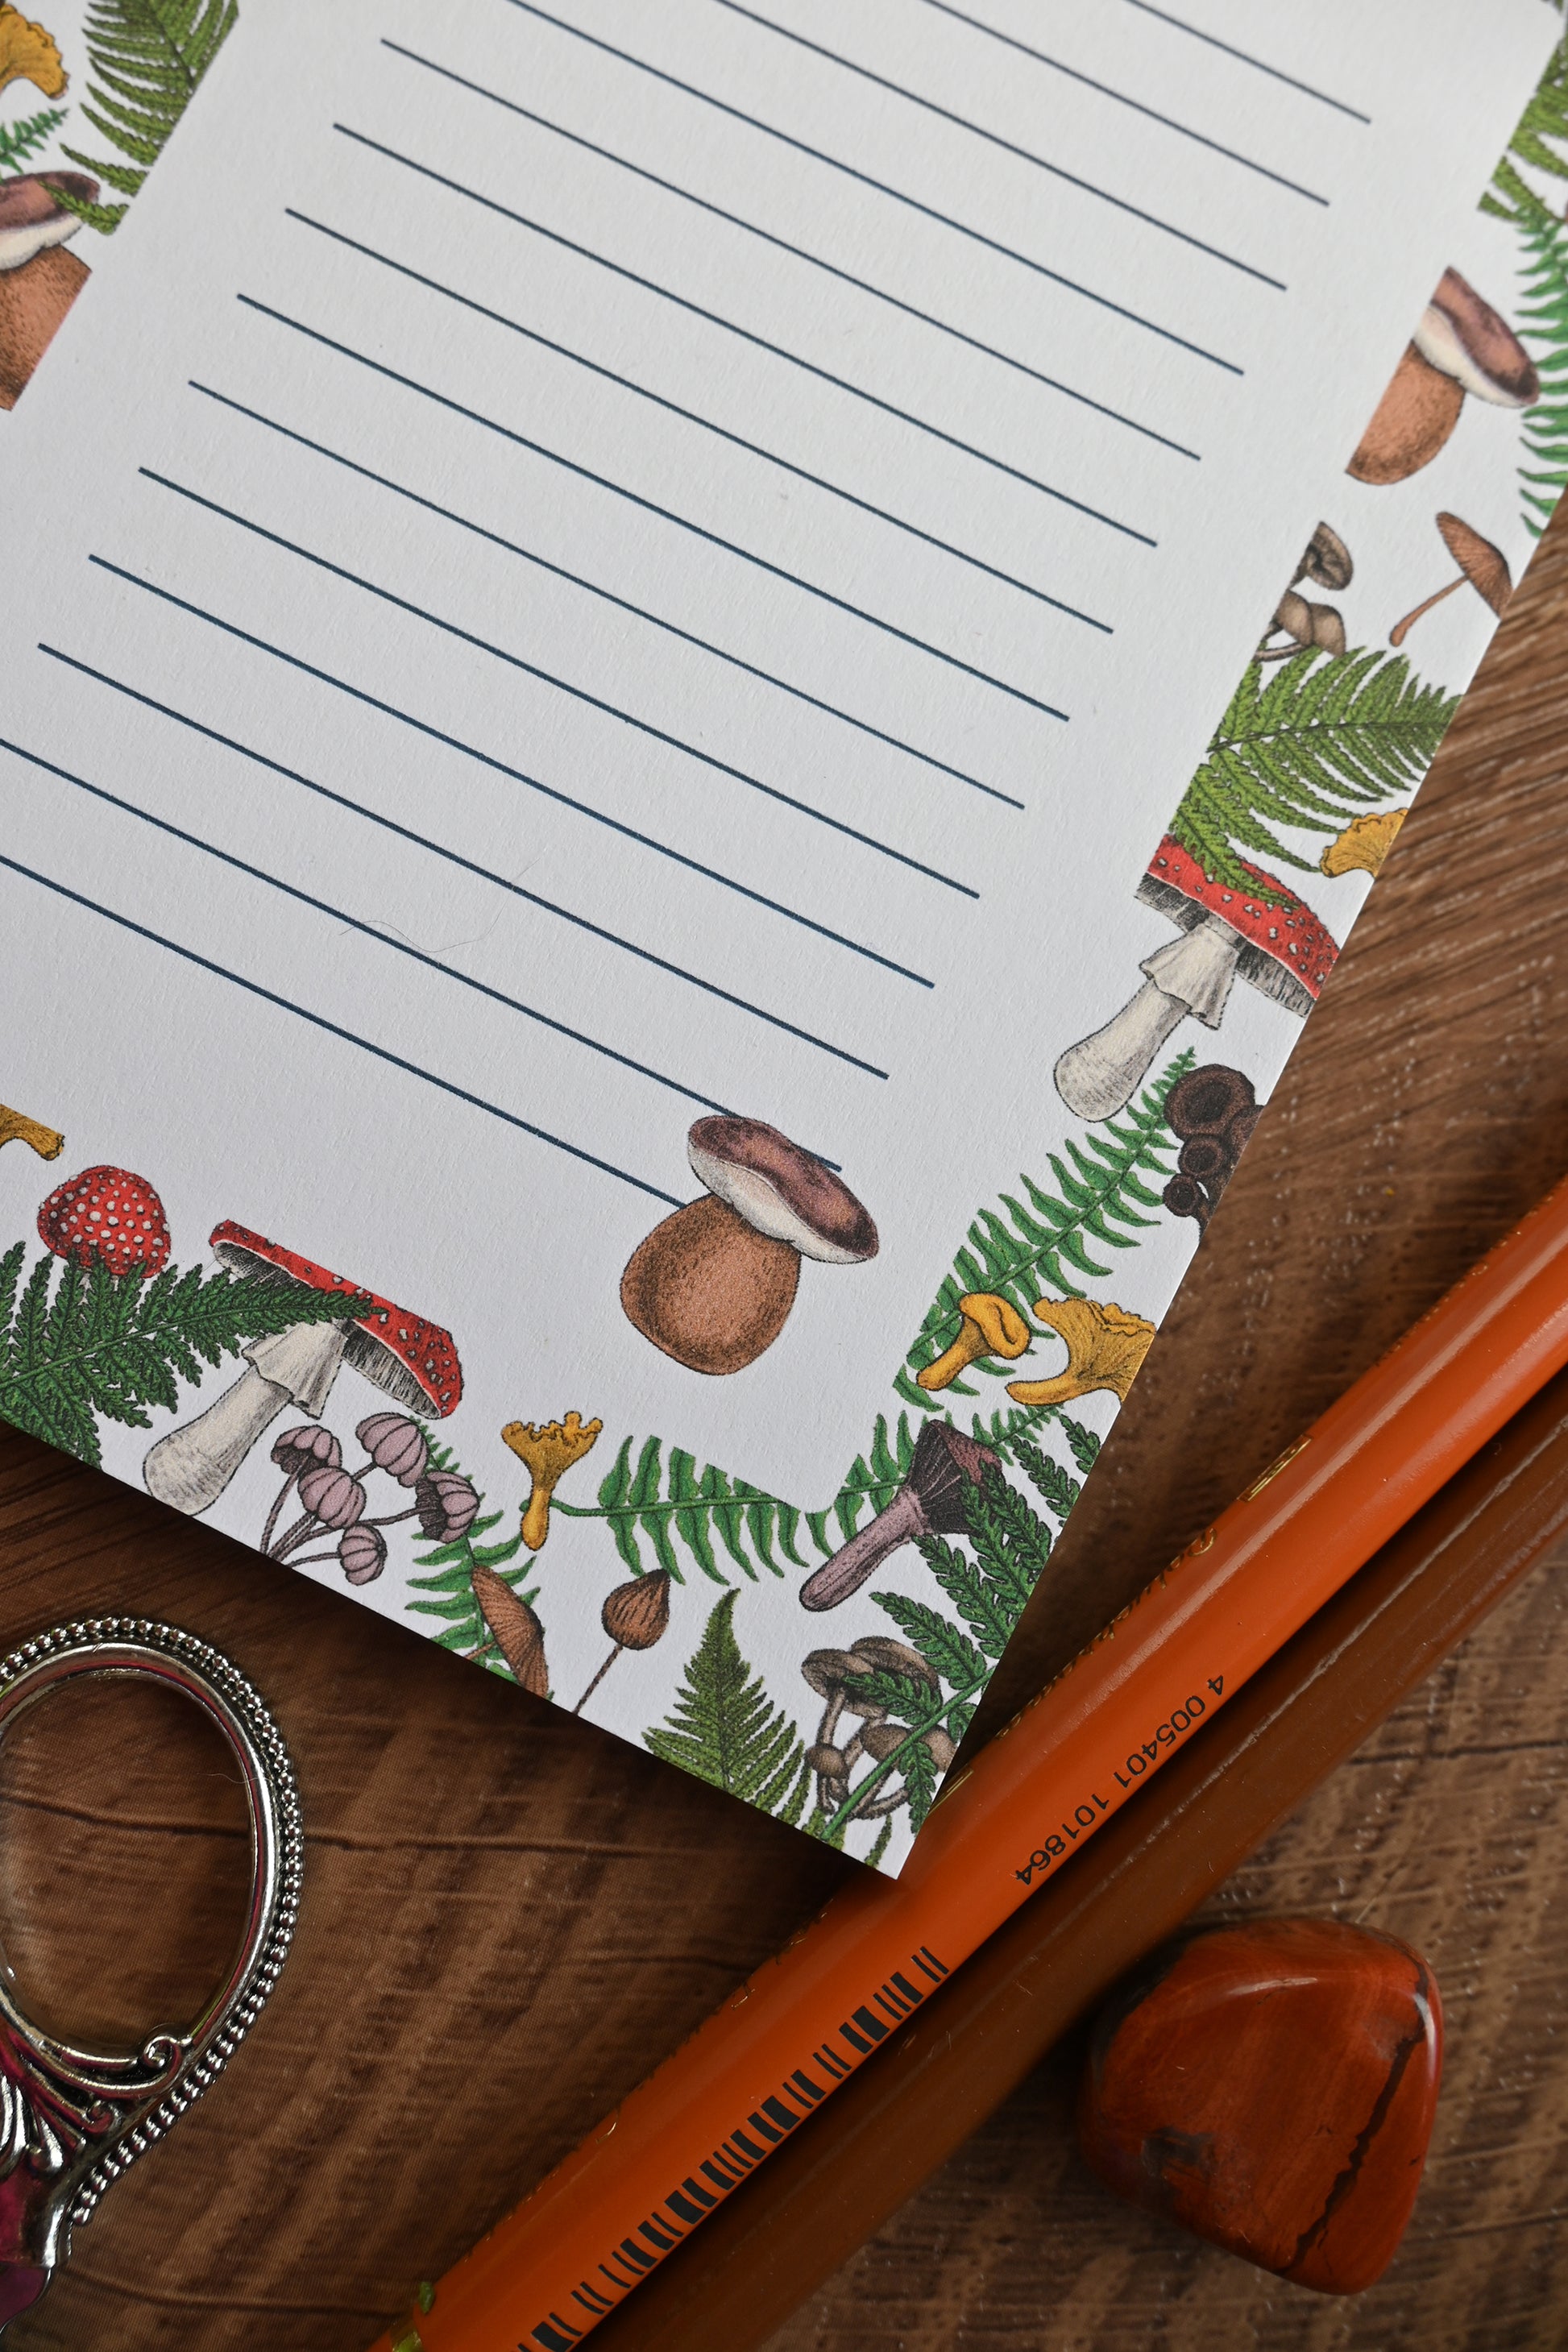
(410, 1360)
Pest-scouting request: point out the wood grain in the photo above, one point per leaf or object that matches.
(510, 1916)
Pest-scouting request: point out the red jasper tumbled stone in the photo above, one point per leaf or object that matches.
(1272, 2087)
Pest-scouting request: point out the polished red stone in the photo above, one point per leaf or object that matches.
(1272, 2087)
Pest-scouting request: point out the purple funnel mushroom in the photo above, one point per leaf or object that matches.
(1282, 950)
(930, 1502)
(414, 1362)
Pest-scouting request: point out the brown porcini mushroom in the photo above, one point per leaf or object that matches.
(714, 1285)
(1461, 345)
(989, 1326)
(39, 280)
(1481, 564)
(412, 1362)
(945, 1466)
(1280, 948)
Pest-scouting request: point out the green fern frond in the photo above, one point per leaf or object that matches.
(1540, 135)
(1100, 1197)
(724, 1730)
(450, 1580)
(1328, 736)
(102, 1347)
(1543, 324)
(147, 57)
(988, 1585)
(19, 141)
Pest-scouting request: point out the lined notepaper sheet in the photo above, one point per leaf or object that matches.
(597, 566)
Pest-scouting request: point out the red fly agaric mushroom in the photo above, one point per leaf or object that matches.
(107, 1217)
(1481, 563)
(1461, 345)
(39, 282)
(714, 1285)
(414, 1362)
(1280, 948)
(945, 1466)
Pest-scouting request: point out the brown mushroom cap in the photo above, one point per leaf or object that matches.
(32, 216)
(1411, 422)
(780, 1189)
(1483, 565)
(1327, 559)
(1470, 341)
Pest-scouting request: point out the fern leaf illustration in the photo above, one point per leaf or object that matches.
(723, 1728)
(146, 57)
(1543, 323)
(1327, 736)
(102, 1347)
(1106, 1194)
(450, 1579)
(19, 141)
(1541, 131)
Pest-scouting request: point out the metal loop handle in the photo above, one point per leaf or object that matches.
(72, 2120)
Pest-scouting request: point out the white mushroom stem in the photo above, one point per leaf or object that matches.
(190, 1468)
(1098, 1076)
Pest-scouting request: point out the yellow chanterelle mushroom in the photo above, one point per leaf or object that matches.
(1106, 1345)
(16, 1128)
(549, 1452)
(991, 1327)
(1364, 845)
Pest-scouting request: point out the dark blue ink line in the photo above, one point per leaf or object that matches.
(548, 677)
(1213, 41)
(742, 334)
(994, 139)
(548, 792)
(797, 252)
(576, 579)
(646, 505)
(369, 931)
(705, 423)
(421, 841)
(1122, 98)
(816, 154)
(318, 1021)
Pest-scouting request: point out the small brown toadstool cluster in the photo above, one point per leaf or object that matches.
(1327, 562)
(1461, 345)
(1212, 1110)
(714, 1285)
(835, 1676)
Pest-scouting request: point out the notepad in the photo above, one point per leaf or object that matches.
(631, 856)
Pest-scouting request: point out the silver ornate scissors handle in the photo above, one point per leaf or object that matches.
(73, 2120)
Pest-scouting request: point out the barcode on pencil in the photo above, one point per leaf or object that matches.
(742, 2151)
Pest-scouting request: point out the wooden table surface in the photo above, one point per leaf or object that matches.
(510, 1917)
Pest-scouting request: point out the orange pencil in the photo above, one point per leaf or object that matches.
(571, 2252)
